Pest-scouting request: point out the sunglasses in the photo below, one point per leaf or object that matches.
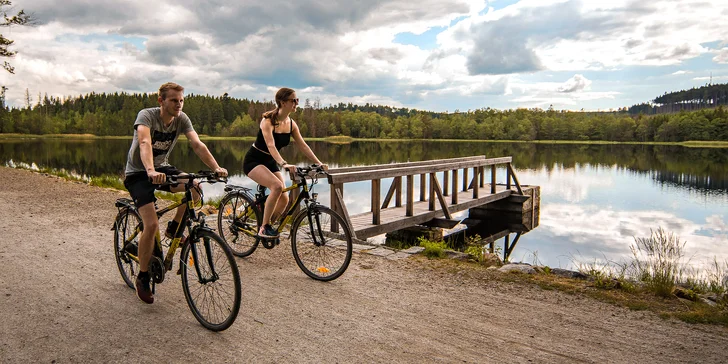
(294, 100)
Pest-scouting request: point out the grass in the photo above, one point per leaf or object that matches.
(433, 249)
(108, 181)
(339, 139)
(657, 261)
(655, 280)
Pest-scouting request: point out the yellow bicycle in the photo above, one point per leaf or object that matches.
(320, 238)
(210, 277)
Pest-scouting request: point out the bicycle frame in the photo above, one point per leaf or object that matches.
(175, 242)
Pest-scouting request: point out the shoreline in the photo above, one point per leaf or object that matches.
(347, 140)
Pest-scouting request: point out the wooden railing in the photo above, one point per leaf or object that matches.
(435, 194)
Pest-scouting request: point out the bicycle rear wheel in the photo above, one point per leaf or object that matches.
(237, 222)
(210, 281)
(321, 243)
(125, 227)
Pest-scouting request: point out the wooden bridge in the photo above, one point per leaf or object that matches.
(463, 187)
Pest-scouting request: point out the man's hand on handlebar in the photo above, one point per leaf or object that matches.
(156, 177)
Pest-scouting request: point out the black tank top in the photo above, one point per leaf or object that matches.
(281, 139)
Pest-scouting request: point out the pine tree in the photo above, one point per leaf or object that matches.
(21, 18)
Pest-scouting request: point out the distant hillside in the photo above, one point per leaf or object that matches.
(708, 96)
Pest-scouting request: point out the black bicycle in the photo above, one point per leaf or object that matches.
(210, 277)
(320, 238)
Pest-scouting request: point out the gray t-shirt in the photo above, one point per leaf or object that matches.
(163, 139)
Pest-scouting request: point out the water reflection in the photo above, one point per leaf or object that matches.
(592, 214)
(594, 198)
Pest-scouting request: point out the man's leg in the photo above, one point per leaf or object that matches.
(181, 210)
(146, 247)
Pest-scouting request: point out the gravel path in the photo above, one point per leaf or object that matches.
(63, 300)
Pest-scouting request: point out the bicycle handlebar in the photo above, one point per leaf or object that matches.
(174, 179)
(305, 171)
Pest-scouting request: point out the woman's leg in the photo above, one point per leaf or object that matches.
(282, 200)
(262, 175)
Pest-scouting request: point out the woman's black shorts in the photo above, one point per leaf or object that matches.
(142, 190)
(254, 158)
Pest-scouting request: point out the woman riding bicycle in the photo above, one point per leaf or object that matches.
(263, 162)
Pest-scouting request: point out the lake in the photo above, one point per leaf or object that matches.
(595, 198)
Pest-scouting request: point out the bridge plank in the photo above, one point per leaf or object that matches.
(337, 177)
(377, 167)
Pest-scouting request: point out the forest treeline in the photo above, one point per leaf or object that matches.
(708, 96)
(114, 114)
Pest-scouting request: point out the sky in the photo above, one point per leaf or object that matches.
(436, 55)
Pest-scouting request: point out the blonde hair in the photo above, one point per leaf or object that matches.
(281, 95)
(169, 86)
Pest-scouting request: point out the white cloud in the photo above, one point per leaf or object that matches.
(722, 56)
(347, 50)
(576, 83)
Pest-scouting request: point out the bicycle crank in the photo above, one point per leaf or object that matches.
(270, 243)
(156, 269)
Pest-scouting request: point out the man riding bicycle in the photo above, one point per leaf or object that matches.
(156, 131)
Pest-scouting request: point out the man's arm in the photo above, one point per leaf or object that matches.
(201, 150)
(147, 156)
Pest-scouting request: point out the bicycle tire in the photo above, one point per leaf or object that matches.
(196, 261)
(124, 227)
(329, 259)
(235, 210)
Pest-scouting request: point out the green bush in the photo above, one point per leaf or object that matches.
(433, 249)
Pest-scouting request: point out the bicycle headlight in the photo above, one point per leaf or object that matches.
(314, 196)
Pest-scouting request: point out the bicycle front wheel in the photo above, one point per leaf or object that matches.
(127, 224)
(237, 222)
(210, 281)
(321, 243)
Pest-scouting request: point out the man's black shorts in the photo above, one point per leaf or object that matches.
(142, 190)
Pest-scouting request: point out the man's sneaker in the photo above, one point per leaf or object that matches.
(172, 227)
(143, 291)
(268, 232)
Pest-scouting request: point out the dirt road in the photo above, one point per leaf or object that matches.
(63, 300)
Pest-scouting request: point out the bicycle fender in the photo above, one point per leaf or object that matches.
(204, 228)
(239, 189)
(122, 204)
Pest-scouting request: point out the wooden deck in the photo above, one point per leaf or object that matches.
(463, 187)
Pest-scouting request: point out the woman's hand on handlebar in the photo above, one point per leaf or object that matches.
(156, 177)
(221, 172)
(289, 167)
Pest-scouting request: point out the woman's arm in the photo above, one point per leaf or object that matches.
(301, 144)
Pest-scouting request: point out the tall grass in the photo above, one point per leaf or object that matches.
(657, 260)
(109, 181)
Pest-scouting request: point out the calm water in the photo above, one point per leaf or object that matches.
(594, 198)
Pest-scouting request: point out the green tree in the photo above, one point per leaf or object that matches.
(21, 18)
